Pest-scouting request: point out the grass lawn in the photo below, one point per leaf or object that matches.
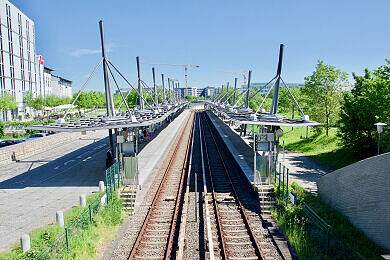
(325, 149)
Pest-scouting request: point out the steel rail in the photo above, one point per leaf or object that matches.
(213, 195)
(245, 217)
(241, 207)
(137, 242)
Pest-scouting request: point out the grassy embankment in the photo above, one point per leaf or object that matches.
(325, 149)
(86, 245)
(346, 242)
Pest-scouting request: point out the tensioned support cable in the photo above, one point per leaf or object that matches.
(269, 91)
(120, 92)
(262, 88)
(83, 87)
(285, 85)
(125, 79)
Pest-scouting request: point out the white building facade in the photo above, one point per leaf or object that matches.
(17, 57)
(61, 87)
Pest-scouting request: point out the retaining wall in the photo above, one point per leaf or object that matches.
(361, 192)
(32, 147)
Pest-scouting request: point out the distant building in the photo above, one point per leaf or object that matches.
(17, 56)
(190, 92)
(49, 84)
(61, 87)
(208, 92)
(265, 90)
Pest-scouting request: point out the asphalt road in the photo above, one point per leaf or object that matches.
(33, 189)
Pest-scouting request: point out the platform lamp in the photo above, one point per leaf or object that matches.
(379, 129)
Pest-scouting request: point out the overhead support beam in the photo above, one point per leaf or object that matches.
(235, 89)
(274, 105)
(154, 88)
(247, 90)
(227, 93)
(163, 90)
(141, 100)
(109, 99)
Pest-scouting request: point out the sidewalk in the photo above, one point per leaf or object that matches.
(302, 169)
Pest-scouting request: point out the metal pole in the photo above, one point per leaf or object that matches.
(227, 93)
(67, 239)
(163, 89)
(287, 188)
(235, 89)
(141, 100)
(379, 142)
(154, 88)
(247, 92)
(284, 168)
(274, 105)
(109, 101)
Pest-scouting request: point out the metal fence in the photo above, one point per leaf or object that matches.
(113, 180)
(63, 243)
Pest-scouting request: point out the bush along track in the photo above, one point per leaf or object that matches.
(318, 232)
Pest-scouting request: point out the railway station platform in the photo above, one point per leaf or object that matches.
(154, 151)
(238, 146)
(303, 170)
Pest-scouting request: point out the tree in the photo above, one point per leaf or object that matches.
(366, 104)
(28, 99)
(38, 103)
(7, 101)
(322, 93)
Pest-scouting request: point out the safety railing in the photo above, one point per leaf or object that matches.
(113, 180)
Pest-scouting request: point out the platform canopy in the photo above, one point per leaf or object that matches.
(137, 118)
(247, 116)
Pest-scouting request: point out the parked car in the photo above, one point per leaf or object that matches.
(9, 142)
(35, 136)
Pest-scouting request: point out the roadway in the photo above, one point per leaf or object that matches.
(33, 189)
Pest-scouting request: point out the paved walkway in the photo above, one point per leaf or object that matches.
(33, 189)
(303, 170)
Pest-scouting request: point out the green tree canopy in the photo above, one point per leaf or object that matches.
(322, 93)
(366, 104)
(7, 101)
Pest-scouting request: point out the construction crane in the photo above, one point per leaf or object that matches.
(243, 74)
(177, 65)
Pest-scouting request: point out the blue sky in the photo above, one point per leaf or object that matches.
(217, 35)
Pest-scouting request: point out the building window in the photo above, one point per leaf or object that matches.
(21, 53)
(28, 54)
(10, 47)
(2, 78)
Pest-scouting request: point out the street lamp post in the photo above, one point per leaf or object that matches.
(379, 129)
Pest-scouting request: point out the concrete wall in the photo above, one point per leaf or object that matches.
(361, 192)
(35, 146)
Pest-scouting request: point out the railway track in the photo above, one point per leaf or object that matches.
(157, 234)
(238, 230)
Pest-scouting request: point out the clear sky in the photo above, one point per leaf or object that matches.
(217, 35)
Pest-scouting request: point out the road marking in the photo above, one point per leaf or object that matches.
(89, 157)
(65, 163)
(56, 168)
(83, 154)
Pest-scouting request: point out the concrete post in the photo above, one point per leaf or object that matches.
(101, 185)
(60, 218)
(25, 243)
(103, 200)
(83, 200)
